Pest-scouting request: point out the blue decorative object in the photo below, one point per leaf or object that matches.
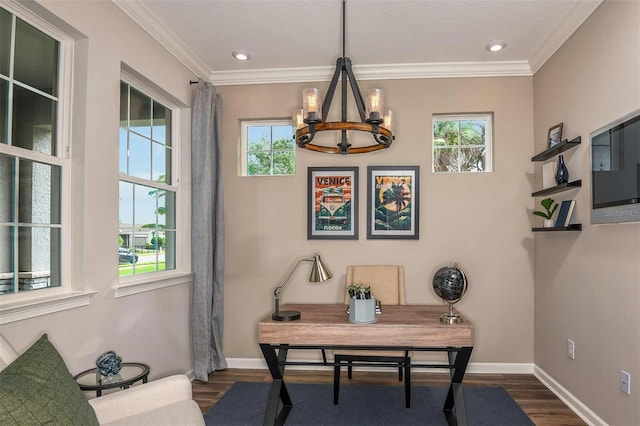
(562, 173)
(109, 363)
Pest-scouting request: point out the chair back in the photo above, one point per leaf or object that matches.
(386, 282)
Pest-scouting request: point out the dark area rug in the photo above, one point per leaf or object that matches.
(244, 404)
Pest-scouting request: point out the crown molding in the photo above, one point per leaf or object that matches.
(374, 72)
(163, 35)
(579, 13)
(150, 23)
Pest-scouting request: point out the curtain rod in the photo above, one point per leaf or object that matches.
(192, 82)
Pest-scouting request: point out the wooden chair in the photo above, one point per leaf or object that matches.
(387, 286)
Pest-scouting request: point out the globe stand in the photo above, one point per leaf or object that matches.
(451, 317)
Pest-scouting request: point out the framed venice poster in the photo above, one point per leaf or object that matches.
(332, 203)
(393, 202)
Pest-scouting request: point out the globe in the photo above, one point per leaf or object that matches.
(450, 284)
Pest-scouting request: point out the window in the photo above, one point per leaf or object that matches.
(148, 186)
(268, 148)
(462, 143)
(32, 164)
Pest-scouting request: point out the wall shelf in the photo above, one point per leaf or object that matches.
(545, 155)
(571, 227)
(561, 147)
(558, 188)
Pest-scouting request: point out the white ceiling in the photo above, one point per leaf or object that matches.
(300, 40)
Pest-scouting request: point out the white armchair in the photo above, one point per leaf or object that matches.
(166, 401)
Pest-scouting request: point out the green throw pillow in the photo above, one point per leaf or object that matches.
(37, 389)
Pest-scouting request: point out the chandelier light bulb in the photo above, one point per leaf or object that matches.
(375, 105)
(311, 101)
(298, 119)
(388, 119)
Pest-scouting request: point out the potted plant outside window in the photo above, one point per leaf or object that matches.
(550, 207)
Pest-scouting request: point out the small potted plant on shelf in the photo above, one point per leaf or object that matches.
(550, 207)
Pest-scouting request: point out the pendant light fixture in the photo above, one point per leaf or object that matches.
(374, 119)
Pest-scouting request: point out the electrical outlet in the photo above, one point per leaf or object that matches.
(571, 349)
(625, 382)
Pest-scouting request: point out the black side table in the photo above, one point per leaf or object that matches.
(131, 372)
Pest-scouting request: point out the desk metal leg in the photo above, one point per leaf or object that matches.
(278, 391)
(407, 379)
(454, 406)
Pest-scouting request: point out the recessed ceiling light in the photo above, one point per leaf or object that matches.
(496, 46)
(241, 56)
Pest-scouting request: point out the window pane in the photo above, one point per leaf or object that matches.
(472, 132)
(161, 124)
(124, 150)
(5, 41)
(445, 160)
(124, 104)
(259, 163)
(258, 138)
(139, 156)
(167, 209)
(169, 250)
(39, 193)
(145, 206)
(6, 190)
(159, 164)
(38, 258)
(4, 111)
(7, 281)
(140, 113)
(34, 121)
(284, 162)
(445, 132)
(283, 137)
(36, 58)
(126, 206)
(472, 159)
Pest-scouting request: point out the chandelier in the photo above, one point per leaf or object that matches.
(374, 119)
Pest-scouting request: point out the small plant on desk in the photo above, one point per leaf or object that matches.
(359, 291)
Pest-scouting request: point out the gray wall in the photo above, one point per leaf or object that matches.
(151, 327)
(479, 220)
(588, 283)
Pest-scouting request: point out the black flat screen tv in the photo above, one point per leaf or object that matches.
(615, 171)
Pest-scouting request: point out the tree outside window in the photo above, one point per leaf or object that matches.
(462, 143)
(268, 148)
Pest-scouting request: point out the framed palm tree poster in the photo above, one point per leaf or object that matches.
(332, 203)
(393, 202)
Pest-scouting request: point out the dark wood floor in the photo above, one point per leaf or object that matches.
(542, 406)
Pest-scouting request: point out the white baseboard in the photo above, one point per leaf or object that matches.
(474, 367)
(568, 398)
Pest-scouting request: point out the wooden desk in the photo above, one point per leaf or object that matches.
(400, 327)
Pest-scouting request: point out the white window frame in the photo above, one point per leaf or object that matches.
(244, 143)
(30, 304)
(488, 116)
(135, 284)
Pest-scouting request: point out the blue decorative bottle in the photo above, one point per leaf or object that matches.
(562, 173)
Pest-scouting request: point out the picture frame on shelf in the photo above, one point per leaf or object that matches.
(393, 202)
(332, 203)
(555, 135)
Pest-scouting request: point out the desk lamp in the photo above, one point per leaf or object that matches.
(319, 273)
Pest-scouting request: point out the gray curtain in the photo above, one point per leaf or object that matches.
(207, 232)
